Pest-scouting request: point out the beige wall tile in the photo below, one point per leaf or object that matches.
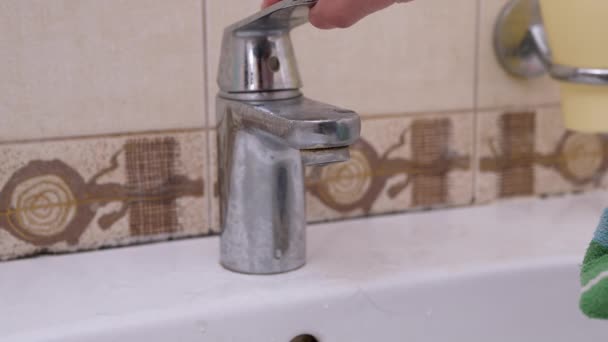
(409, 58)
(78, 67)
(78, 194)
(543, 160)
(401, 162)
(495, 87)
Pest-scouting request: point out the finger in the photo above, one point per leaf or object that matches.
(329, 14)
(267, 3)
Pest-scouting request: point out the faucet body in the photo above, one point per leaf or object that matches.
(263, 149)
(267, 133)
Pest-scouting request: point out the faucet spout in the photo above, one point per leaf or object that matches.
(302, 123)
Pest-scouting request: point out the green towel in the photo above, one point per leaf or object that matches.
(594, 273)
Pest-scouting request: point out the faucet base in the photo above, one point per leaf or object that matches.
(264, 218)
(262, 96)
(231, 268)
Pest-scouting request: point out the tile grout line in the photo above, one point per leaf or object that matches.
(105, 135)
(477, 46)
(456, 111)
(213, 128)
(209, 183)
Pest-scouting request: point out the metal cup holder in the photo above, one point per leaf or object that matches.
(520, 45)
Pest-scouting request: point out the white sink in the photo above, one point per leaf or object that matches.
(506, 272)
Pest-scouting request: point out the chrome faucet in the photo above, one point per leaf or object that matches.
(267, 133)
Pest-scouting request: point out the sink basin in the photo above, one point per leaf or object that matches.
(514, 303)
(506, 272)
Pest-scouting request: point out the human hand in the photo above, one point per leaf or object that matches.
(328, 14)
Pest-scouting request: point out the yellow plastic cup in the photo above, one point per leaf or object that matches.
(577, 31)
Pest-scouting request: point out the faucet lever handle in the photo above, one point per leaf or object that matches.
(257, 58)
(282, 16)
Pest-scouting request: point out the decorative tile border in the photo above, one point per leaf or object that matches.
(529, 152)
(68, 195)
(84, 193)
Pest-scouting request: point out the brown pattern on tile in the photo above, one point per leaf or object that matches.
(515, 164)
(580, 159)
(151, 167)
(47, 202)
(353, 184)
(358, 183)
(430, 147)
(518, 131)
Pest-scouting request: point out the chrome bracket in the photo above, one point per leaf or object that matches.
(522, 49)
